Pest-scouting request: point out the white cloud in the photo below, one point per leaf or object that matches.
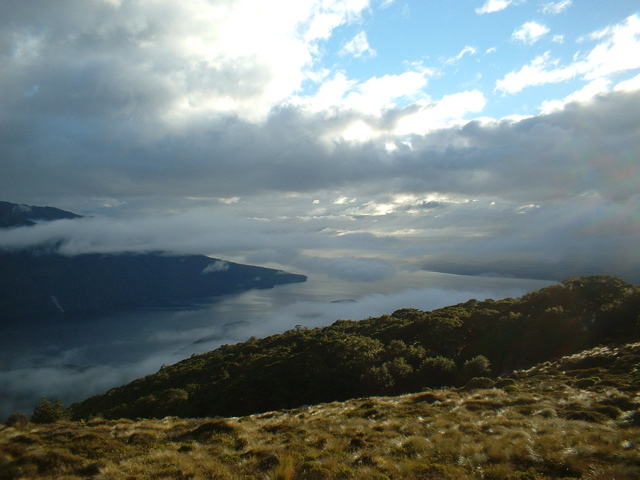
(629, 85)
(491, 6)
(358, 46)
(530, 32)
(175, 60)
(378, 93)
(466, 50)
(217, 266)
(536, 73)
(589, 91)
(370, 97)
(446, 112)
(618, 51)
(554, 8)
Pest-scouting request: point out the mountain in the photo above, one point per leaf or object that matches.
(34, 284)
(18, 215)
(39, 282)
(404, 352)
(577, 417)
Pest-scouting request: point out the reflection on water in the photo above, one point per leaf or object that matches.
(77, 357)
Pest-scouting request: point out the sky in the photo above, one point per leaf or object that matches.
(360, 140)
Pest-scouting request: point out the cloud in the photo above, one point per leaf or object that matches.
(217, 266)
(589, 91)
(360, 269)
(491, 6)
(370, 97)
(466, 50)
(617, 52)
(554, 8)
(198, 142)
(530, 32)
(368, 212)
(358, 46)
(127, 60)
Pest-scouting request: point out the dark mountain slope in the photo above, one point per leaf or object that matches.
(39, 282)
(51, 284)
(16, 215)
(399, 353)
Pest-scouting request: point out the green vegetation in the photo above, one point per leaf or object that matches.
(404, 352)
(47, 412)
(577, 417)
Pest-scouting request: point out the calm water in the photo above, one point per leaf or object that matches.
(78, 357)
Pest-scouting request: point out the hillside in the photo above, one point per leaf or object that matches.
(18, 215)
(404, 352)
(575, 417)
(39, 282)
(52, 285)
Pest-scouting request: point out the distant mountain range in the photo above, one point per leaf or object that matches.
(37, 282)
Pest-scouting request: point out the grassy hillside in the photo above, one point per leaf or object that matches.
(576, 417)
(404, 352)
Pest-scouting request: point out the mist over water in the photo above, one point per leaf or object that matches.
(78, 357)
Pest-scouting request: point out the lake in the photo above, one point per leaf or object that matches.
(78, 357)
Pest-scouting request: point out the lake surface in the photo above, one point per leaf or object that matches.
(78, 357)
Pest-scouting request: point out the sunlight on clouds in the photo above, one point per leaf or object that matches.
(629, 85)
(370, 97)
(447, 111)
(378, 93)
(600, 85)
(343, 200)
(358, 131)
(219, 65)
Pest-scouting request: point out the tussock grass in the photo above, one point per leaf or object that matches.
(536, 424)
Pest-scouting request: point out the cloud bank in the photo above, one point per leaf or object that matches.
(178, 131)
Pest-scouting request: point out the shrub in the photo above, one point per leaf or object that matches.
(476, 367)
(47, 412)
(438, 371)
(17, 420)
(479, 382)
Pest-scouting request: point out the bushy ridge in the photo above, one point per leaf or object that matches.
(407, 351)
(577, 417)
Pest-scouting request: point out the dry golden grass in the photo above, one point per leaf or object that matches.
(540, 424)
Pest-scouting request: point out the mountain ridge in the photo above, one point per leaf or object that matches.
(40, 282)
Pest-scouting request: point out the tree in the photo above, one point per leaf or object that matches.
(47, 412)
